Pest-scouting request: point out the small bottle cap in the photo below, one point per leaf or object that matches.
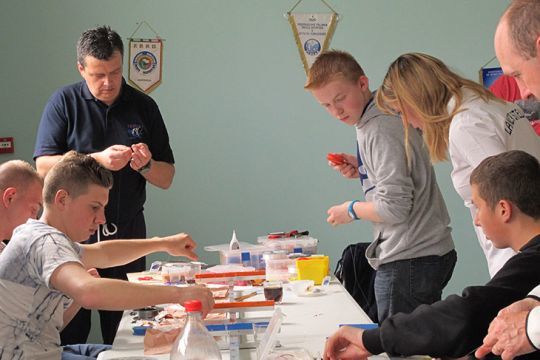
(193, 305)
(246, 256)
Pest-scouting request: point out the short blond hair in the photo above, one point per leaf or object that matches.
(332, 65)
(74, 173)
(425, 84)
(18, 174)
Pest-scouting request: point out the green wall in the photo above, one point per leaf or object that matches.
(249, 142)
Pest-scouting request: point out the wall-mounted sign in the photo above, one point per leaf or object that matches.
(489, 75)
(145, 63)
(312, 32)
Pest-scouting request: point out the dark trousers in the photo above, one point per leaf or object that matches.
(76, 332)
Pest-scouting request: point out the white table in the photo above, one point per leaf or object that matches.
(308, 322)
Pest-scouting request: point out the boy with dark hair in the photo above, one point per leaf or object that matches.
(504, 192)
(44, 266)
(412, 250)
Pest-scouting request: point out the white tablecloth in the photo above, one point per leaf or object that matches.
(308, 322)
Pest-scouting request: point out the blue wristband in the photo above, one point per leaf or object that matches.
(351, 211)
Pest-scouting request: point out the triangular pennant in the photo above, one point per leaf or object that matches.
(312, 33)
(145, 63)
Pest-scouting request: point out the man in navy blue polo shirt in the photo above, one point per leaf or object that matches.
(123, 130)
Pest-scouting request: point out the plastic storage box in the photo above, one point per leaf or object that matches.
(277, 265)
(180, 272)
(227, 256)
(304, 244)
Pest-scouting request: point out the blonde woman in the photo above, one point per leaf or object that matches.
(459, 119)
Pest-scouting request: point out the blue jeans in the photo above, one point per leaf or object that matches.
(401, 286)
(83, 351)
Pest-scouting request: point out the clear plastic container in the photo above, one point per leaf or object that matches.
(277, 266)
(227, 256)
(194, 342)
(180, 272)
(304, 244)
(257, 256)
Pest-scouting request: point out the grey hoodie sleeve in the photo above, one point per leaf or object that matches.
(382, 147)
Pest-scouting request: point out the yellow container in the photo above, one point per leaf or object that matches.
(312, 268)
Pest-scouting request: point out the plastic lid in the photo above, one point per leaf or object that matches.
(278, 254)
(226, 247)
(269, 338)
(193, 305)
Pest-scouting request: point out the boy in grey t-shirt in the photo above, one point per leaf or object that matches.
(44, 266)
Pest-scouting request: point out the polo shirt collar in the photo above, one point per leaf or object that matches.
(87, 95)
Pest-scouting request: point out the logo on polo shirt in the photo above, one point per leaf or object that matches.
(135, 131)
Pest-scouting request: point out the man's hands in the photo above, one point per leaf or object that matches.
(181, 245)
(346, 343)
(140, 156)
(349, 168)
(526, 304)
(507, 334)
(116, 157)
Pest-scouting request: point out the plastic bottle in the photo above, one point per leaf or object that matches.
(194, 342)
(234, 244)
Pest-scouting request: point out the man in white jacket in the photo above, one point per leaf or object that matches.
(517, 50)
(516, 330)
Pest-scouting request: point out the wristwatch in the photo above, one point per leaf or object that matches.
(351, 212)
(146, 168)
